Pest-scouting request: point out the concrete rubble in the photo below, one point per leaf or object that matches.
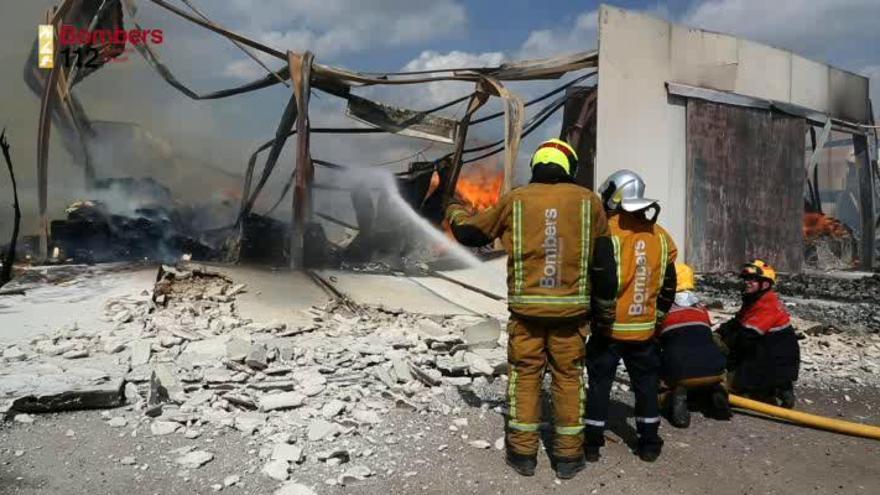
(186, 363)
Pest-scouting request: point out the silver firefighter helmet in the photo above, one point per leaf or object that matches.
(625, 190)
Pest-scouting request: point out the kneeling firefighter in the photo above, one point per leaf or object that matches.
(764, 355)
(691, 362)
(645, 255)
(560, 269)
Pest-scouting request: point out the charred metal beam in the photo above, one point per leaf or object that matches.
(6, 272)
(865, 158)
(288, 119)
(301, 73)
(477, 100)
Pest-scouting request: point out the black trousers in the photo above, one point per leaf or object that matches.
(642, 361)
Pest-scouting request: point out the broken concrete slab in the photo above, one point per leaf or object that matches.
(117, 422)
(220, 375)
(140, 351)
(195, 460)
(401, 369)
(205, 351)
(257, 358)
(132, 394)
(14, 354)
(355, 474)
(320, 429)
(164, 386)
(452, 366)
(332, 409)
(283, 400)
(162, 428)
(238, 348)
(366, 416)
(287, 452)
(429, 328)
(76, 354)
(249, 422)
(384, 376)
(483, 335)
(240, 400)
(292, 488)
(114, 345)
(45, 387)
(429, 377)
(278, 470)
(267, 385)
(477, 365)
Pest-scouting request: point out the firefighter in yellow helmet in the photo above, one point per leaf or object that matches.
(645, 254)
(691, 360)
(764, 355)
(560, 272)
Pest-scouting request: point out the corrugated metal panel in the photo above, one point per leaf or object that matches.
(745, 184)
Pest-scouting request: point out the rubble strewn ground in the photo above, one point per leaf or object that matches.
(846, 303)
(315, 394)
(204, 398)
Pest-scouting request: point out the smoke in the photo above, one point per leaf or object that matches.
(394, 213)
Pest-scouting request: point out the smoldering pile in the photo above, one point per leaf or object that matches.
(127, 219)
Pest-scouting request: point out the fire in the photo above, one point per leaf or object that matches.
(818, 225)
(479, 186)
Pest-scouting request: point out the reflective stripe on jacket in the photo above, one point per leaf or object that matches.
(644, 252)
(549, 232)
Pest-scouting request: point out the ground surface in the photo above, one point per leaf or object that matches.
(415, 452)
(746, 455)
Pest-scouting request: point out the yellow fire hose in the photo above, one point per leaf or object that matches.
(813, 420)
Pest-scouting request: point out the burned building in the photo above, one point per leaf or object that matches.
(729, 134)
(733, 137)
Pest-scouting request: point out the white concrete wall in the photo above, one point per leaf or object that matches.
(641, 128)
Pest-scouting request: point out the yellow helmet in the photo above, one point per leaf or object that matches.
(758, 268)
(557, 152)
(684, 278)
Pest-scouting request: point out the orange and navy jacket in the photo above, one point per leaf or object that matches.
(560, 262)
(685, 317)
(645, 255)
(763, 347)
(689, 353)
(765, 315)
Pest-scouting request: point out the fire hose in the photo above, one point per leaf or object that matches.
(821, 422)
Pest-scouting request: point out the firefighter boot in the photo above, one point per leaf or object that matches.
(567, 468)
(786, 396)
(522, 464)
(720, 403)
(594, 439)
(679, 415)
(650, 444)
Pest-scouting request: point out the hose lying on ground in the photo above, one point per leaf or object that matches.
(813, 420)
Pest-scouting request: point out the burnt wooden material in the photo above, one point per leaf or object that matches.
(745, 187)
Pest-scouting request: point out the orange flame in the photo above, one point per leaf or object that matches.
(480, 186)
(817, 225)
